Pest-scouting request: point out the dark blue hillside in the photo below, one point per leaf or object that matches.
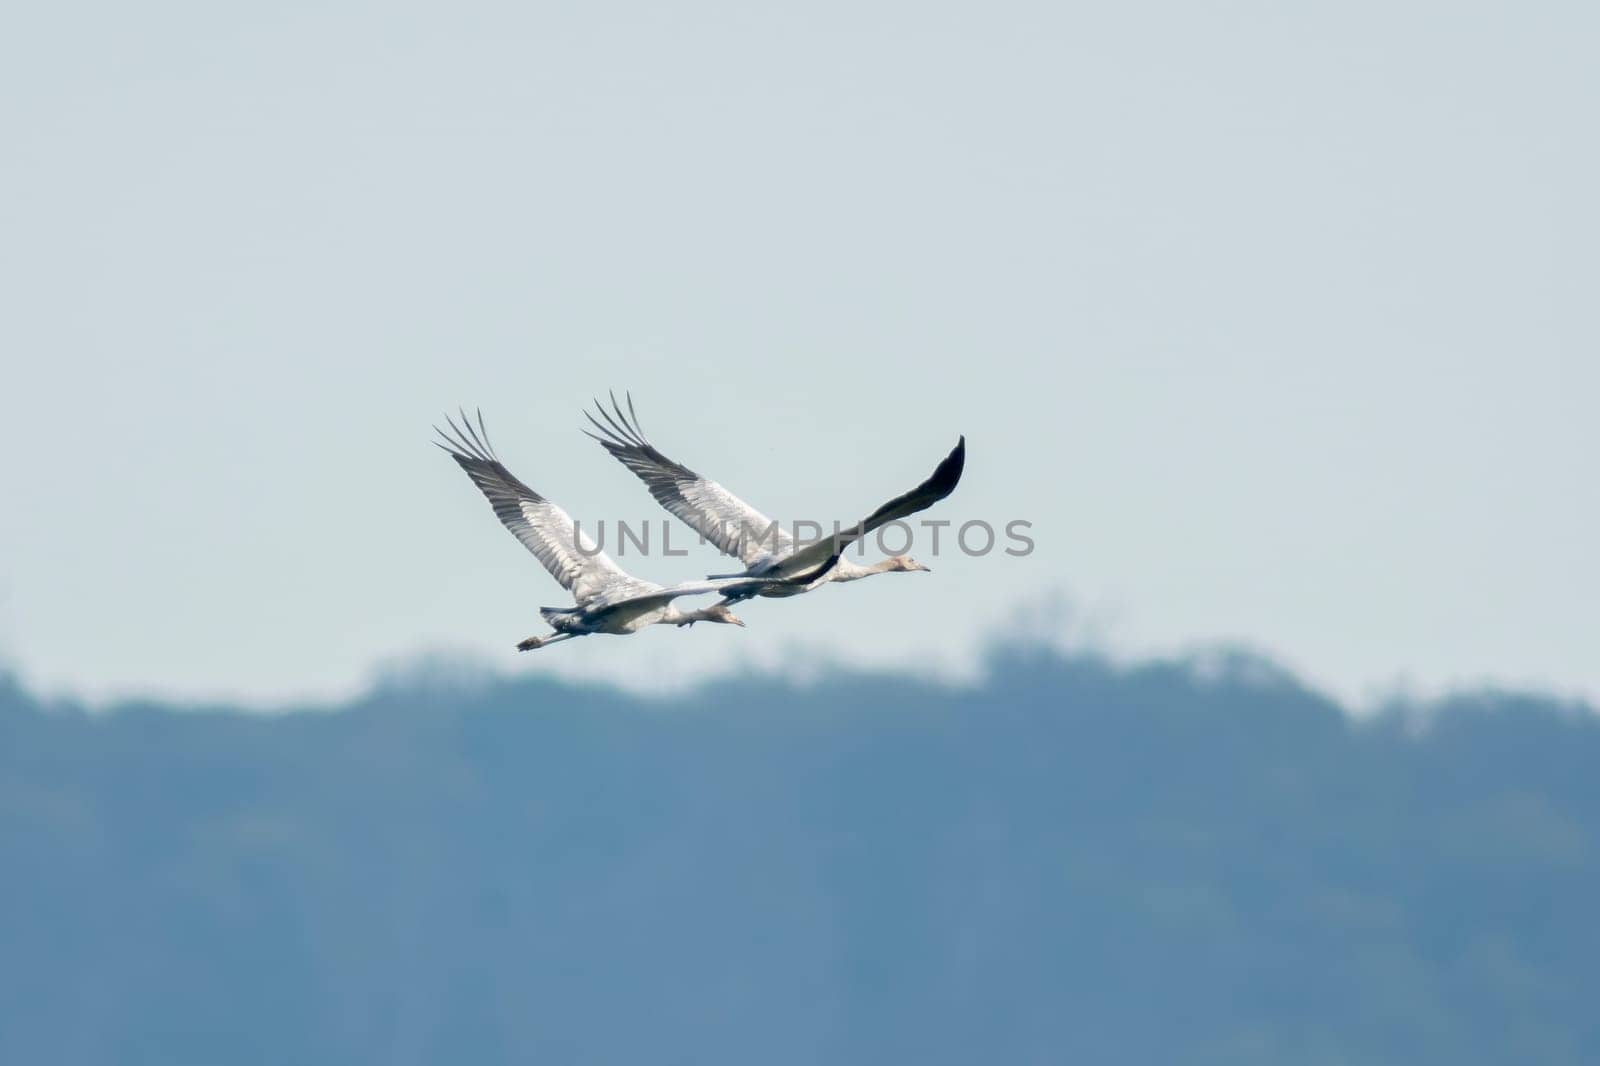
(1068, 863)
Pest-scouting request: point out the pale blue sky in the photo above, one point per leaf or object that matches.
(1279, 322)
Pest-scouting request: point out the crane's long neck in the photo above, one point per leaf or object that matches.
(674, 616)
(845, 570)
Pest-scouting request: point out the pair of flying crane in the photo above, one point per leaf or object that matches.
(608, 599)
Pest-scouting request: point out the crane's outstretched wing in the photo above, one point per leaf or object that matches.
(736, 528)
(941, 483)
(544, 529)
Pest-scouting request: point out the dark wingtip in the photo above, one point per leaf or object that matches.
(949, 472)
(947, 475)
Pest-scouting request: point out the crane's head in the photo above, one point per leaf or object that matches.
(908, 564)
(719, 612)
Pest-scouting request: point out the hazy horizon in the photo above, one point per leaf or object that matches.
(464, 672)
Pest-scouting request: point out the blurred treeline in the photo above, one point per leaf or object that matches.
(1069, 862)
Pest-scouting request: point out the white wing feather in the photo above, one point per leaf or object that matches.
(736, 528)
(544, 528)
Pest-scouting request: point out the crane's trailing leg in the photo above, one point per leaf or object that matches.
(539, 642)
